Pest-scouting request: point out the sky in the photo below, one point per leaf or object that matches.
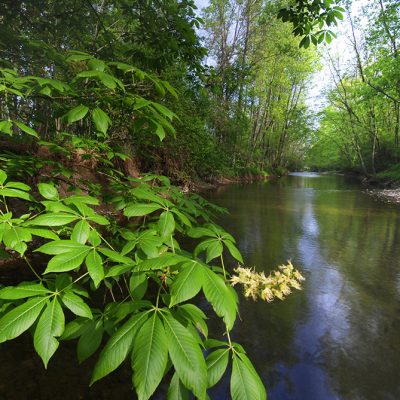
(339, 47)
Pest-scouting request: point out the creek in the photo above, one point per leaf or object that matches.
(339, 337)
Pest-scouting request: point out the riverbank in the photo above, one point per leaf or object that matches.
(203, 186)
(387, 195)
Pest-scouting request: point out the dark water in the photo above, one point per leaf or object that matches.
(339, 338)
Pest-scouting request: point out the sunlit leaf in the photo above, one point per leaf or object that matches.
(149, 357)
(20, 318)
(118, 346)
(51, 325)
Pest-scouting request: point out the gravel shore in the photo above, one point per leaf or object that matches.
(388, 195)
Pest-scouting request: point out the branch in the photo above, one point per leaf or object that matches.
(380, 90)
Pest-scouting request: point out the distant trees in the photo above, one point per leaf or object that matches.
(259, 82)
(362, 119)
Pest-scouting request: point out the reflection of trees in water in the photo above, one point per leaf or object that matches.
(364, 247)
(260, 221)
(349, 245)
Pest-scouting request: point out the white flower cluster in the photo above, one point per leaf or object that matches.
(277, 284)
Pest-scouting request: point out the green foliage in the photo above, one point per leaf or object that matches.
(109, 232)
(359, 129)
(392, 174)
(309, 19)
(157, 324)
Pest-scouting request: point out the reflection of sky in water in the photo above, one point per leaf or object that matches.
(339, 337)
(326, 317)
(306, 174)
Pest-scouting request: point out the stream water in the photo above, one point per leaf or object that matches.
(339, 338)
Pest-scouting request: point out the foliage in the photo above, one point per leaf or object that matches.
(359, 128)
(82, 222)
(149, 313)
(309, 19)
(149, 318)
(259, 84)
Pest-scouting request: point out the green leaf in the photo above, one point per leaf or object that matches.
(67, 261)
(54, 219)
(76, 304)
(44, 233)
(90, 340)
(18, 185)
(27, 129)
(23, 290)
(109, 80)
(138, 284)
(186, 356)
(48, 191)
(60, 247)
(3, 176)
(176, 390)
(15, 237)
(118, 346)
(165, 260)
(77, 198)
(51, 325)
(193, 313)
(96, 65)
(6, 127)
(58, 207)
(7, 192)
(187, 284)
(218, 295)
(149, 243)
(184, 219)
(63, 281)
(117, 270)
(166, 224)
(101, 120)
(233, 250)
(20, 318)
(143, 192)
(77, 113)
(160, 131)
(164, 111)
(94, 265)
(149, 357)
(214, 250)
(75, 328)
(98, 219)
(114, 256)
(217, 361)
(245, 382)
(140, 209)
(88, 74)
(81, 231)
(94, 238)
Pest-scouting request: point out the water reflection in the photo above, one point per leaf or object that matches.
(338, 338)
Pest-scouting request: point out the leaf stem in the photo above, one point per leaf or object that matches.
(31, 267)
(158, 297)
(229, 339)
(223, 266)
(76, 280)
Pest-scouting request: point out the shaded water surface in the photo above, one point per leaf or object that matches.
(339, 338)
